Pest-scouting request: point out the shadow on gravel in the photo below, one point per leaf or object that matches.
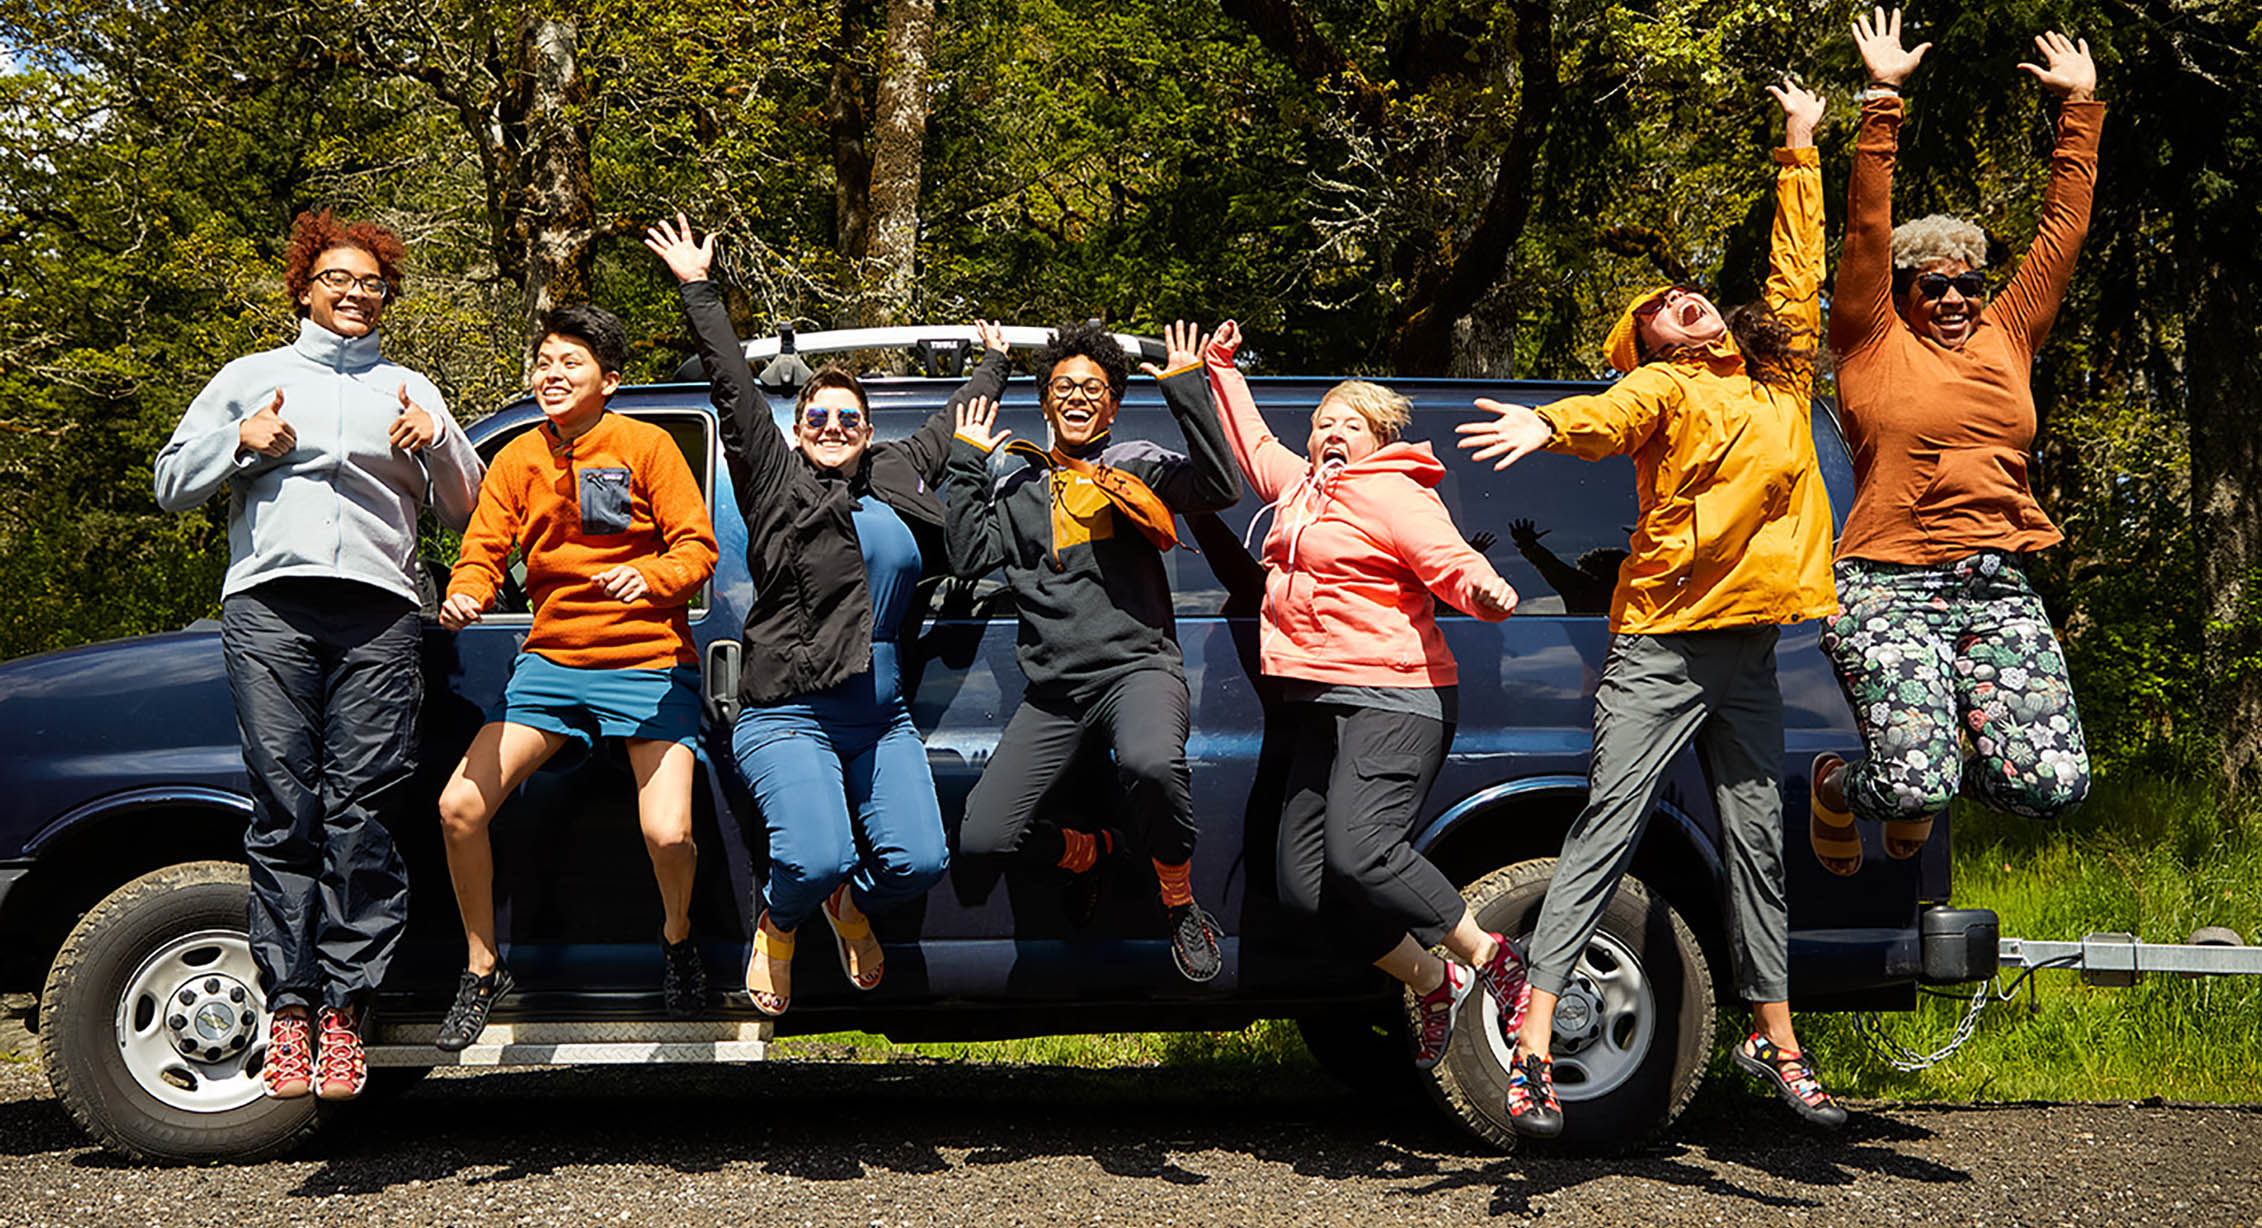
(37, 1127)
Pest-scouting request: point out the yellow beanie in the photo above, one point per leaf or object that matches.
(1619, 346)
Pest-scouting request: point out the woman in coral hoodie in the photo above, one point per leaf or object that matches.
(1359, 544)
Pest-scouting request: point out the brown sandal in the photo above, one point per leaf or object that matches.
(1829, 831)
(1905, 838)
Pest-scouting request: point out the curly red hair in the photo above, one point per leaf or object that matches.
(317, 231)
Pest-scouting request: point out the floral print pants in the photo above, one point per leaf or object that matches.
(1946, 659)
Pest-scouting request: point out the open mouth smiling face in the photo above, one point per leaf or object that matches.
(1079, 400)
(1340, 436)
(1943, 301)
(1681, 316)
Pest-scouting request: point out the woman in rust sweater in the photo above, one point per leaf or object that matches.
(1939, 636)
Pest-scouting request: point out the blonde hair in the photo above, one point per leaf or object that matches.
(1939, 237)
(1386, 412)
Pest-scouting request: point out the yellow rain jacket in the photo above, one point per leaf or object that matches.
(1735, 524)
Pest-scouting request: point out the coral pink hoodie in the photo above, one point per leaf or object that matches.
(1351, 559)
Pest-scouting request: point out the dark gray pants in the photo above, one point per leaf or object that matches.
(327, 689)
(1144, 717)
(1657, 693)
(1356, 782)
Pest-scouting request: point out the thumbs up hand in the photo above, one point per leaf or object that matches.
(265, 432)
(414, 430)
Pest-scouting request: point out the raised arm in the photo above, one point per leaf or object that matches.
(1210, 480)
(2028, 304)
(929, 446)
(1270, 465)
(973, 539)
(758, 457)
(1421, 534)
(1795, 259)
(1861, 310)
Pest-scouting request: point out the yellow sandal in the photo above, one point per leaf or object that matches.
(846, 934)
(1829, 831)
(776, 947)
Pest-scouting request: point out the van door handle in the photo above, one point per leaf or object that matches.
(721, 683)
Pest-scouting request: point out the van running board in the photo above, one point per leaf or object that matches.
(620, 1042)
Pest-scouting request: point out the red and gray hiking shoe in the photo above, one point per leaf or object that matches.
(1435, 1011)
(1533, 1110)
(288, 1069)
(1503, 977)
(343, 1069)
(1787, 1071)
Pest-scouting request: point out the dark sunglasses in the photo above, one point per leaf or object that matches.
(816, 417)
(1970, 284)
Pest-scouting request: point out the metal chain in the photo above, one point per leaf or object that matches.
(1900, 1057)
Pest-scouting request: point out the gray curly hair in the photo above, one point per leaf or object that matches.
(1938, 237)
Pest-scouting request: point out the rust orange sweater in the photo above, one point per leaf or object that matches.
(1940, 437)
(621, 493)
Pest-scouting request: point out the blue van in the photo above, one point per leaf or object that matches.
(122, 892)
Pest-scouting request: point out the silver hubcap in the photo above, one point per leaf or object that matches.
(192, 1024)
(1604, 1023)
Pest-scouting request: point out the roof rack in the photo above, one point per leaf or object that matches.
(939, 345)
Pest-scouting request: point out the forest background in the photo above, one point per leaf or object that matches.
(1405, 187)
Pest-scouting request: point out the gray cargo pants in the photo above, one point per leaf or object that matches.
(1658, 692)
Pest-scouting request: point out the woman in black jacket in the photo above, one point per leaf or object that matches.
(840, 530)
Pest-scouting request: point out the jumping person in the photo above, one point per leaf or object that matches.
(615, 538)
(1940, 635)
(840, 530)
(329, 452)
(1079, 528)
(1370, 685)
(1733, 540)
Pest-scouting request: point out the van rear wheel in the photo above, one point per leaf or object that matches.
(1632, 1033)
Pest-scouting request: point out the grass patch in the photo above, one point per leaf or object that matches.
(1271, 1043)
(2150, 855)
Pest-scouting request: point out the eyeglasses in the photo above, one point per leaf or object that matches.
(1657, 303)
(1089, 389)
(372, 285)
(1970, 284)
(817, 417)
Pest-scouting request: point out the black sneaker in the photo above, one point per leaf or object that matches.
(683, 979)
(1193, 944)
(467, 1017)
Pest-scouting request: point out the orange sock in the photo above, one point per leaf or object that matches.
(1177, 889)
(1078, 850)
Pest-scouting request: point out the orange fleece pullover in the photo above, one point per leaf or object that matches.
(620, 493)
(1939, 436)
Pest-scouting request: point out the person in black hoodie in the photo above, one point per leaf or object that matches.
(1079, 529)
(839, 530)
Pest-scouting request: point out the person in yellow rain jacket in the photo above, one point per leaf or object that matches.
(1733, 541)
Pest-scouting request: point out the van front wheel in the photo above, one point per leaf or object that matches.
(1632, 1032)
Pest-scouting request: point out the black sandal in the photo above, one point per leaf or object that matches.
(1792, 1077)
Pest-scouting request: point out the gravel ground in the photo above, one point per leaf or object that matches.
(792, 1143)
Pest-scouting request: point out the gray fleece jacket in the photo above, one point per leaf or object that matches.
(343, 503)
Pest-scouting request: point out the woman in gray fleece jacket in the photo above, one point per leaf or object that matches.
(328, 452)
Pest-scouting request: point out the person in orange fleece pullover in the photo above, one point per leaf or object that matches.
(1734, 540)
(1358, 547)
(616, 539)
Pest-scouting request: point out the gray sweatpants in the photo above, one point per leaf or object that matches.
(1657, 692)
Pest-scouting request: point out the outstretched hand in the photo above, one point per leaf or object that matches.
(977, 424)
(1511, 434)
(1878, 39)
(2066, 69)
(1182, 347)
(992, 335)
(1802, 112)
(689, 261)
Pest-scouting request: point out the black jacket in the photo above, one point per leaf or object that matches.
(810, 625)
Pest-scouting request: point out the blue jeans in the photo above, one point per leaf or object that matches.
(846, 795)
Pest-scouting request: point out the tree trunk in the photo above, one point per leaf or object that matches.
(2223, 369)
(850, 129)
(551, 194)
(898, 158)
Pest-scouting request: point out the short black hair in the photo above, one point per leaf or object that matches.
(832, 375)
(594, 327)
(1087, 339)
